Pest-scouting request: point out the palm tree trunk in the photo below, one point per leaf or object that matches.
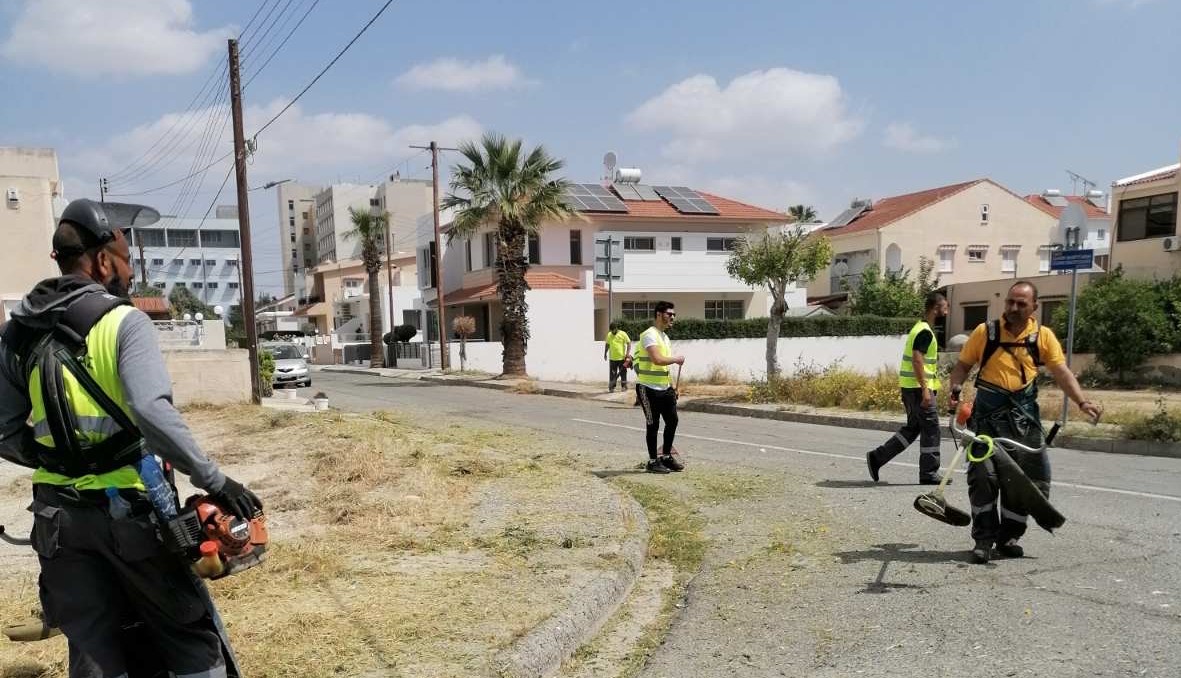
(376, 357)
(514, 325)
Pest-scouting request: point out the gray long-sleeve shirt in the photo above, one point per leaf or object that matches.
(148, 390)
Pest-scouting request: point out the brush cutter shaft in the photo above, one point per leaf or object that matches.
(1007, 442)
(15, 541)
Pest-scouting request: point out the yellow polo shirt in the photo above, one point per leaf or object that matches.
(1004, 368)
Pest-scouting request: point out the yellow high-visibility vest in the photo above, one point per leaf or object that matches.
(647, 372)
(906, 375)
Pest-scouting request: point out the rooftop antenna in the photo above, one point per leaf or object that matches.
(610, 160)
(1076, 179)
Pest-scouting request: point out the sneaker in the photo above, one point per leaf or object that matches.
(671, 462)
(982, 552)
(873, 467)
(934, 480)
(654, 466)
(1010, 549)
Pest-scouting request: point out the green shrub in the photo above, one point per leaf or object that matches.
(266, 373)
(1162, 426)
(756, 328)
(1123, 321)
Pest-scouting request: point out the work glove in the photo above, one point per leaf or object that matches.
(237, 499)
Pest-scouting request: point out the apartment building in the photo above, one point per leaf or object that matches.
(672, 244)
(33, 200)
(1145, 207)
(199, 254)
(297, 234)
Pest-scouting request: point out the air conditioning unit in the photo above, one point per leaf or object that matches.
(1172, 244)
(13, 196)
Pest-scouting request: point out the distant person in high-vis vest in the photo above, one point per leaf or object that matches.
(654, 389)
(919, 383)
(616, 347)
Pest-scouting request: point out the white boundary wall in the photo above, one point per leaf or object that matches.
(555, 358)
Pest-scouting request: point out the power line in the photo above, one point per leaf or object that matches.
(325, 69)
(262, 40)
(260, 69)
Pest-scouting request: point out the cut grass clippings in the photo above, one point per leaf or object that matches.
(376, 567)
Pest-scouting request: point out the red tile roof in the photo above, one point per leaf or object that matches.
(538, 280)
(659, 209)
(888, 210)
(1089, 208)
(151, 305)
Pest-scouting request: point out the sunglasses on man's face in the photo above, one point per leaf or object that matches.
(670, 314)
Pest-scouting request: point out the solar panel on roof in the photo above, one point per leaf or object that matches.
(646, 193)
(685, 200)
(1056, 200)
(627, 191)
(593, 198)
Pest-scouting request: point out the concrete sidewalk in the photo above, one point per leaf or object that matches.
(878, 421)
(389, 372)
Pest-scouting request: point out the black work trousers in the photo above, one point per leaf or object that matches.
(617, 371)
(922, 423)
(657, 405)
(1004, 415)
(98, 574)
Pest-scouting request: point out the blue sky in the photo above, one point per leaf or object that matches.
(771, 102)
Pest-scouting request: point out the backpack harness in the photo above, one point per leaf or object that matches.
(64, 348)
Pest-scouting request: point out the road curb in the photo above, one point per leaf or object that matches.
(541, 651)
(369, 372)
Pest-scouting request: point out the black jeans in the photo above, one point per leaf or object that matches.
(657, 405)
(921, 423)
(617, 370)
(97, 573)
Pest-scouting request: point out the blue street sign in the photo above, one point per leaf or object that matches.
(1069, 260)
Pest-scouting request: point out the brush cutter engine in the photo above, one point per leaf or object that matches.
(241, 544)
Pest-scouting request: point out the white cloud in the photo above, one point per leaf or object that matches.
(317, 147)
(454, 75)
(775, 111)
(904, 137)
(119, 37)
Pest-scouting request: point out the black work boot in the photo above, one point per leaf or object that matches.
(1010, 549)
(982, 552)
(654, 466)
(935, 480)
(873, 466)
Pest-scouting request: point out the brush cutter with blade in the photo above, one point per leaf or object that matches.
(933, 503)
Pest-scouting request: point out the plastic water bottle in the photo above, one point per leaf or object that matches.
(159, 492)
(117, 506)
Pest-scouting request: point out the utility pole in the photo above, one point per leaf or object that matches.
(389, 277)
(103, 187)
(247, 266)
(143, 263)
(437, 264)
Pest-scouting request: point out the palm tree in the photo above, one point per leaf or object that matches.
(804, 214)
(369, 228)
(514, 192)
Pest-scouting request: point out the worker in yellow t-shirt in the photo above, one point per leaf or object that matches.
(616, 348)
(1009, 354)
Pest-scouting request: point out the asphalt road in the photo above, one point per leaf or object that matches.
(865, 585)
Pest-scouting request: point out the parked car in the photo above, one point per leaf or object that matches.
(291, 364)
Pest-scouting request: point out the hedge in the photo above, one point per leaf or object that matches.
(756, 328)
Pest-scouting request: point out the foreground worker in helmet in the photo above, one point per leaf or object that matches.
(101, 561)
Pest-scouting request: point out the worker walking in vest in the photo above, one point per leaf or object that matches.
(654, 388)
(1009, 354)
(920, 386)
(100, 556)
(616, 348)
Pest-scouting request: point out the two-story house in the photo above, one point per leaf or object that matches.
(1145, 207)
(671, 243)
(976, 230)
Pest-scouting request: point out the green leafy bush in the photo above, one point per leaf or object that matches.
(756, 328)
(1123, 321)
(893, 294)
(266, 373)
(1162, 426)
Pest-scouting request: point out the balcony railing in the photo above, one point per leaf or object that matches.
(844, 283)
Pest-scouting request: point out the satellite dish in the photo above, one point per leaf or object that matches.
(1073, 218)
(609, 161)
